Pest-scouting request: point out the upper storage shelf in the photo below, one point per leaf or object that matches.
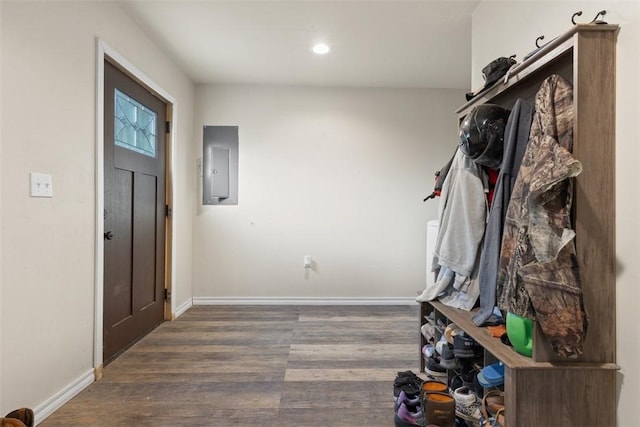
(554, 57)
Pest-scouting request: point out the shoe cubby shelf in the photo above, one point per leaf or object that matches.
(546, 390)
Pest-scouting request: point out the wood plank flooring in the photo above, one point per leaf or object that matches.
(319, 366)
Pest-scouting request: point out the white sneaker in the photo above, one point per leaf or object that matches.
(467, 404)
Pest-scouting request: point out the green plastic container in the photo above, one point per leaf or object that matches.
(520, 333)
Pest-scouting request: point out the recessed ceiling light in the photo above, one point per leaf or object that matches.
(320, 49)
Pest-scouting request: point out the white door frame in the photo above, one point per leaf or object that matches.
(105, 51)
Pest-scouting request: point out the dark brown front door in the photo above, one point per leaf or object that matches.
(134, 216)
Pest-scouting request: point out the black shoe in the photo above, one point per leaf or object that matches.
(409, 374)
(408, 382)
(434, 369)
(464, 346)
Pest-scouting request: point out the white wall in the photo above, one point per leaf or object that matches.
(491, 22)
(335, 173)
(48, 85)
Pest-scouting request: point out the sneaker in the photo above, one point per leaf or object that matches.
(409, 374)
(441, 343)
(408, 382)
(464, 346)
(451, 331)
(406, 418)
(400, 381)
(433, 368)
(448, 358)
(464, 379)
(428, 350)
(429, 333)
(467, 405)
(411, 402)
(469, 380)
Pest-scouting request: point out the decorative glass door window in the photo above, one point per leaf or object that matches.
(135, 125)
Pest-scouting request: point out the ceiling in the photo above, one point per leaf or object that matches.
(399, 44)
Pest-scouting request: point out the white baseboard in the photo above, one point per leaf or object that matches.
(64, 395)
(301, 301)
(184, 307)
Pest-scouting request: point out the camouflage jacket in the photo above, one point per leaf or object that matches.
(539, 275)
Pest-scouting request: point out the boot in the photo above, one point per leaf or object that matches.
(25, 415)
(439, 409)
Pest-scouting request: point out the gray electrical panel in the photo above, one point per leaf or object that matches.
(220, 165)
(218, 172)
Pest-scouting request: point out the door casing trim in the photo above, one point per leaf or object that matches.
(106, 52)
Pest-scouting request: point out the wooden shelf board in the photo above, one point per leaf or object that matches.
(506, 354)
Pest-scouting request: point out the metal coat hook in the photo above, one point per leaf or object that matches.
(599, 21)
(573, 17)
(595, 20)
(538, 40)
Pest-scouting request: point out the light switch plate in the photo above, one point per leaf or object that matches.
(41, 184)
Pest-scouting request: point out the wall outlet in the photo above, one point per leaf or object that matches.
(307, 261)
(41, 185)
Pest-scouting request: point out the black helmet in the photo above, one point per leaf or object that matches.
(482, 134)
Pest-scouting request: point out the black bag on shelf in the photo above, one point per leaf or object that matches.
(497, 68)
(492, 72)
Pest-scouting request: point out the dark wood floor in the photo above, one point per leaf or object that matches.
(256, 366)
